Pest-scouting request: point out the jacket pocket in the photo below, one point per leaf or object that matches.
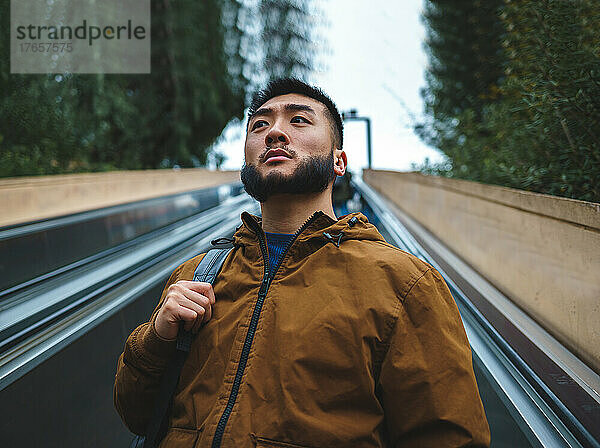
(180, 437)
(263, 442)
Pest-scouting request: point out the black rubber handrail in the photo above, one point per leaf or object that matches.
(31, 321)
(32, 250)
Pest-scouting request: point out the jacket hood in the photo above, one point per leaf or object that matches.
(318, 230)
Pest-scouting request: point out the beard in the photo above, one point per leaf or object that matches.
(312, 175)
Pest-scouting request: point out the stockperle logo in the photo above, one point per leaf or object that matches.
(75, 36)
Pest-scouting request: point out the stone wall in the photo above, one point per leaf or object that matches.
(24, 199)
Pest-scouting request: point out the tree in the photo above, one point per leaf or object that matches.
(536, 128)
(287, 38)
(70, 122)
(465, 64)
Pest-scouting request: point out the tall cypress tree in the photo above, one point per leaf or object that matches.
(465, 64)
(287, 37)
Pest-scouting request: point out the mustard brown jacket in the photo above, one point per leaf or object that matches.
(353, 343)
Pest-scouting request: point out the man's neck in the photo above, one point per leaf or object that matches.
(286, 213)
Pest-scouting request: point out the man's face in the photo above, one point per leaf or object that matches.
(289, 148)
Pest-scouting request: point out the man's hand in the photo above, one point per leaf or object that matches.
(186, 301)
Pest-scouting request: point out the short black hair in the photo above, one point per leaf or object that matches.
(284, 86)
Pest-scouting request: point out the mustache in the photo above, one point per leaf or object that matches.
(262, 156)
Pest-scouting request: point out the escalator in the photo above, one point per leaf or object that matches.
(73, 288)
(64, 318)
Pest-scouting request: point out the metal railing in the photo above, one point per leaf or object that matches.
(42, 317)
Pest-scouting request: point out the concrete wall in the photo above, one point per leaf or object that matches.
(543, 252)
(24, 199)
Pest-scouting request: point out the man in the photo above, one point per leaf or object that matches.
(318, 333)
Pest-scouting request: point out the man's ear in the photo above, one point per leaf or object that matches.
(340, 162)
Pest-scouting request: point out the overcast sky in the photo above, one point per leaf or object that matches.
(374, 63)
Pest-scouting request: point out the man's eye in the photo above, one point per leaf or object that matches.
(301, 118)
(257, 123)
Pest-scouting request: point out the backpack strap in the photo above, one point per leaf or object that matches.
(210, 265)
(207, 271)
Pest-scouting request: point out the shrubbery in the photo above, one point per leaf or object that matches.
(529, 114)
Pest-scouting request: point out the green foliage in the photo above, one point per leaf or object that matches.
(540, 130)
(201, 62)
(464, 62)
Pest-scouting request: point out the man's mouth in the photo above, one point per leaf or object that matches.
(276, 155)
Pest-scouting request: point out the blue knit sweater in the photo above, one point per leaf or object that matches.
(276, 243)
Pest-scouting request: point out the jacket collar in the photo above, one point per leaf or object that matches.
(318, 230)
(316, 221)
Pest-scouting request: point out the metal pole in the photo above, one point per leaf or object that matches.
(369, 153)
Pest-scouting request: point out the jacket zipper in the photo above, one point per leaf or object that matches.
(262, 294)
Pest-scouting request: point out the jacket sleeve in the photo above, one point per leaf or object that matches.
(139, 370)
(427, 385)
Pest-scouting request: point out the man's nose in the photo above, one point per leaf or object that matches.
(276, 134)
